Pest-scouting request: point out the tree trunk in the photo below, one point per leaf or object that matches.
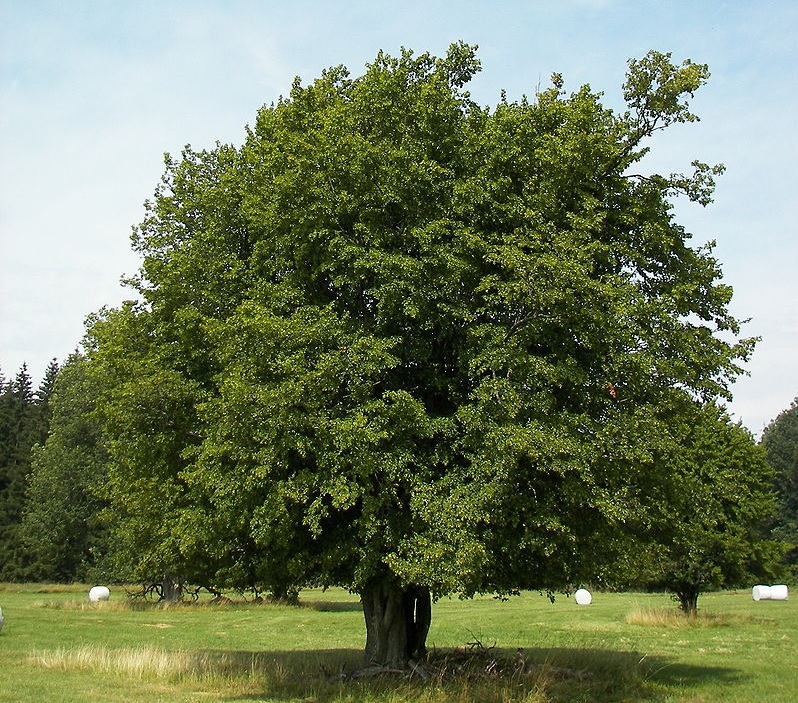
(287, 595)
(688, 601)
(397, 623)
(172, 591)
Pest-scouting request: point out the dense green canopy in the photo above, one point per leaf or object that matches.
(401, 341)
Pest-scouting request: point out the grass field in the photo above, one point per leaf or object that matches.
(55, 646)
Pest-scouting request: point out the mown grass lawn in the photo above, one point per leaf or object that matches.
(624, 647)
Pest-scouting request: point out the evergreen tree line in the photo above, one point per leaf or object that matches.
(55, 521)
(24, 424)
(51, 476)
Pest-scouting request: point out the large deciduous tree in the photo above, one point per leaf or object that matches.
(409, 345)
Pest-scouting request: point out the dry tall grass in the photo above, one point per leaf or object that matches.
(673, 618)
(156, 663)
(454, 678)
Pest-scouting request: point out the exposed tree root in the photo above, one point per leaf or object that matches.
(477, 663)
(413, 669)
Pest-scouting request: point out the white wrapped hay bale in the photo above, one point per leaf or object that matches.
(583, 597)
(760, 592)
(2, 619)
(98, 593)
(778, 592)
(775, 592)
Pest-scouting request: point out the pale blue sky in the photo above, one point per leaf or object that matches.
(92, 93)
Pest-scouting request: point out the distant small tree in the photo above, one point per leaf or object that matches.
(780, 442)
(711, 512)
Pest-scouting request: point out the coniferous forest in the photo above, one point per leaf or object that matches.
(24, 424)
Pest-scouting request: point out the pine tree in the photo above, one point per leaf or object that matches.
(42, 401)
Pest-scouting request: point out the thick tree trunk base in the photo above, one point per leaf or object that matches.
(397, 623)
(688, 602)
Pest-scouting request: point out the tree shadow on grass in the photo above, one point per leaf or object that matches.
(611, 675)
(486, 674)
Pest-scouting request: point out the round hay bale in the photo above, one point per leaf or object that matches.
(98, 593)
(583, 597)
